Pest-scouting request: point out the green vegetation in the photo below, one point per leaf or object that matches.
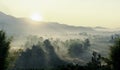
(97, 61)
(115, 54)
(4, 49)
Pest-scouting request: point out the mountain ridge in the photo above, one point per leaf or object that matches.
(19, 25)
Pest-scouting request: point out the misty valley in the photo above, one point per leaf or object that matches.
(55, 46)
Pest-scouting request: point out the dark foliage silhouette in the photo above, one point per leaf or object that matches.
(4, 48)
(95, 63)
(37, 58)
(53, 59)
(115, 55)
(31, 58)
(87, 43)
(43, 56)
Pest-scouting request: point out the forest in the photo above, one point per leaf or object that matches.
(55, 54)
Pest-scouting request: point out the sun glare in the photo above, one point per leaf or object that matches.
(36, 17)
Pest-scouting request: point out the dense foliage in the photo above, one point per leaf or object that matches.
(42, 55)
(4, 48)
(115, 54)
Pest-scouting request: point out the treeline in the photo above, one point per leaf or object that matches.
(43, 53)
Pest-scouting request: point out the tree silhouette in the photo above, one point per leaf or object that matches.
(87, 43)
(4, 48)
(115, 55)
(53, 59)
(31, 58)
(95, 63)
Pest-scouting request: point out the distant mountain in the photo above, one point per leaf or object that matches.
(98, 27)
(18, 26)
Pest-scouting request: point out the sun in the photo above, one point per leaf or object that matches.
(36, 17)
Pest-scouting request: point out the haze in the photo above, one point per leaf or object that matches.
(73, 12)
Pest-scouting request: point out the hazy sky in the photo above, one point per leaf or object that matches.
(73, 12)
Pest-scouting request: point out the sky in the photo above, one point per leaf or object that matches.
(105, 13)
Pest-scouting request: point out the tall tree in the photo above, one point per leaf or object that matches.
(4, 48)
(115, 55)
(95, 63)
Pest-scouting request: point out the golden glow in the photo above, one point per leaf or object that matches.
(93, 13)
(36, 17)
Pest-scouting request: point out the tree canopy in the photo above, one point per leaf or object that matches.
(115, 54)
(4, 47)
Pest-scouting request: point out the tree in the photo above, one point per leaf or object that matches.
(31, 58)
(4, 48)
(87, 43)
(95, 63)
(115, 54)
